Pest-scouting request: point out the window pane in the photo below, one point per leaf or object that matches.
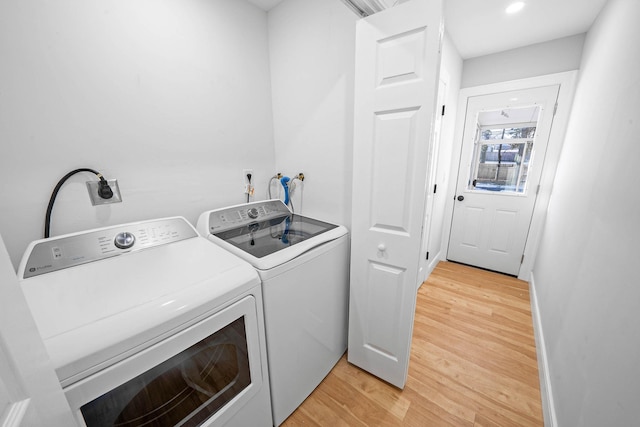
(525, 167)
(503, 149)
(508, 133)
(488, 134)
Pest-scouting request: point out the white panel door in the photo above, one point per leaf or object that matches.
(30, 394)
(503, 149)
(397, 65)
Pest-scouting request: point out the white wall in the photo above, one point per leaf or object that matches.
(540, 59)
(170, 97)
(585, 275)
(312, 51)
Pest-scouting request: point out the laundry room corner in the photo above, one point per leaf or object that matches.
(312, 49)
(172, 99)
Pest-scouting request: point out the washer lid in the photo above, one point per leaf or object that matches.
(266, 233)
(266, 237)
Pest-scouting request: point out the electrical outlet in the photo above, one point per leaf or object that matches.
(245, 180)
(92, 187)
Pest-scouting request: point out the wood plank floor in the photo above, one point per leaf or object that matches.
(473, 362)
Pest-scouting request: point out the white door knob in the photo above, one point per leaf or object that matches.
(382, 247)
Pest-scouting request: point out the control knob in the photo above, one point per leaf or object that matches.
(124, 240)
(253, 213)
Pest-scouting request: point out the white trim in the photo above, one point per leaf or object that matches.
(430, 266)
(15, 413)
(546, 394)
(433, 262)
(427, 265)
(567, 81)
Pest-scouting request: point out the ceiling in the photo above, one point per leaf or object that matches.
(265, 4)
(481, 27)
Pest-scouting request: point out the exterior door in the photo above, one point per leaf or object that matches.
(503, 149)
(397, 65)
(30, 394)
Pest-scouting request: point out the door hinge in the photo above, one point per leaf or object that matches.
(435, 188)
(427, 254)
(443, 107)
(538, 189)
(555, 109)
(522, 259)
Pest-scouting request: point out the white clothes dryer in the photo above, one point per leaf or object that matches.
(304, 267)
(149, 324)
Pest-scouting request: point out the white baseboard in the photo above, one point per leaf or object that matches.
(548, 407)
(433, 262)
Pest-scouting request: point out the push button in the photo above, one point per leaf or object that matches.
(124, 240)
(57, 252)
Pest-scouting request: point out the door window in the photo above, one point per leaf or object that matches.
(503, 150)
(184, 390)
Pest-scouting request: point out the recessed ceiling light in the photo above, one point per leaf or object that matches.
(515, 7)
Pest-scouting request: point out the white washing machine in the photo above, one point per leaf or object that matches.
(149, 324)
(304, 267)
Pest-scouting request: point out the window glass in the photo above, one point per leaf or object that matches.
(508, 133)
(503, 150)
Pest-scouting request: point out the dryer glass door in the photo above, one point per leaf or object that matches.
(184, 390)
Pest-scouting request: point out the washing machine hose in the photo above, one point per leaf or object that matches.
(285, 234)
(285, 183)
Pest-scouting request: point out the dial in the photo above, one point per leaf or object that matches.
(124, 240)
(253, 213)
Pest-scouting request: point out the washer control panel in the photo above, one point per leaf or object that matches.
(239, 216)
(58, 253)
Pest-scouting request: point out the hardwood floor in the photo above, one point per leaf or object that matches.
(473, 362)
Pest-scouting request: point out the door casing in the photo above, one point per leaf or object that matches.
(433, 218)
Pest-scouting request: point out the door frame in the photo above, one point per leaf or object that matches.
(426, 266)
(567, 81)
